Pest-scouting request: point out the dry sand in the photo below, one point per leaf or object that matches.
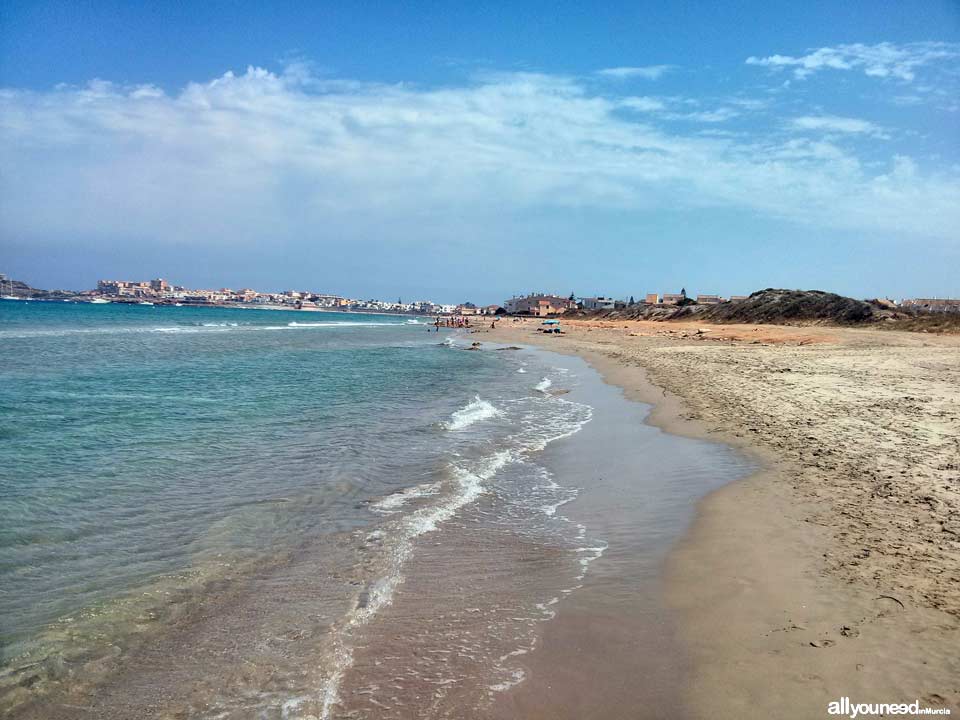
(835, 570)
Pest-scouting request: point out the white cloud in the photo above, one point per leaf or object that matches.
(262, 158)
(644, 104)
(718, 115)
(832, 123)
(678, 108)
(907, 100)
(750, 104)
(883, 60)
(649, 72)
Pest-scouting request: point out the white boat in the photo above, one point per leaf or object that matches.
(144, 302)
(99, 301)
(9, 297)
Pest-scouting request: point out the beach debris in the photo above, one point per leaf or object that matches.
(891, 597)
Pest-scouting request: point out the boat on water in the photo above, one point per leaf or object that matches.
(9, 297)
(144, 302)
(99, 301)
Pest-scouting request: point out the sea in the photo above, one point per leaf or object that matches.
(255, 513)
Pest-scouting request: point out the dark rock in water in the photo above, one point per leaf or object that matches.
(363, 600)
(511, 347)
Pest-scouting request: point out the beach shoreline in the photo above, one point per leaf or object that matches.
(644, 582)
(801, 584)
(359, 611)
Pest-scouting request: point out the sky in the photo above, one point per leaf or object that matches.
(472, 151)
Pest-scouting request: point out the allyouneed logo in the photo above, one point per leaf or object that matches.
(843, 706)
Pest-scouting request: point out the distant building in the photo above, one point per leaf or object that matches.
(675, 298)
(737, 298)
(709, 299)
(539, 305)
(424, 307)
(125, 288)
(468, 308)
(652, 299)
(108, 287)
(933, 304)
(553, 306)
(598, 303)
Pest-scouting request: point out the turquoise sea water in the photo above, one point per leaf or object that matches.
(152, 456)
(286, 515)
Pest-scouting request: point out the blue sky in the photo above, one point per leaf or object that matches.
(473, 151)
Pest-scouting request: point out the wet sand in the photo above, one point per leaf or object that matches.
(613, 646)
(834, 570)
(470, 587)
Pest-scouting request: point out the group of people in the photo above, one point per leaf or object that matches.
(454, 321)
(458, 321)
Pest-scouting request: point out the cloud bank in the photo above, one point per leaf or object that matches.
(262, 157)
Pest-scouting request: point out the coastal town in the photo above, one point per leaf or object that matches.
(161, 292)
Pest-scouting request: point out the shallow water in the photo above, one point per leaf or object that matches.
(612, 651)
(232, 514)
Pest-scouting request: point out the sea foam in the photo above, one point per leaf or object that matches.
(470, 484)
(393, 503)
(345, 323)
(543, 385)
(471, 413)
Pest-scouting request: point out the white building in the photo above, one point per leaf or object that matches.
(598, 303)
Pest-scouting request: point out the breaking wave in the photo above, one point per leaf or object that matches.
(471, 413)
(469, 484)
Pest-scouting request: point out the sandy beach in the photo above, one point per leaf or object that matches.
(835, 569)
